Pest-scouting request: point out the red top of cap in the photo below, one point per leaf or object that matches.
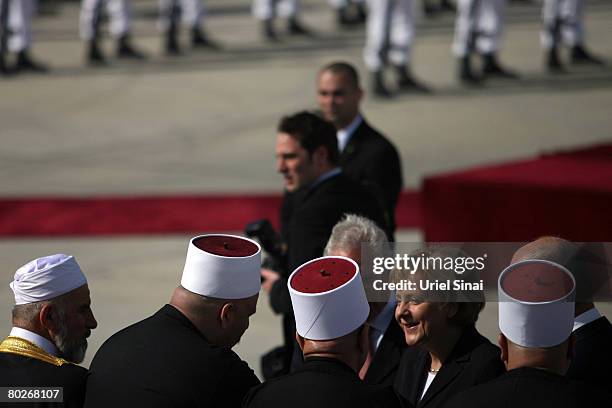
(224, 245)
(323, 275)
(537, 282)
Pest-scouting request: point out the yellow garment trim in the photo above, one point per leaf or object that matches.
(22, 347)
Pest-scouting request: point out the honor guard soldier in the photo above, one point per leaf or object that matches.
(331, 309)
(191, 13)
(52, 319)
(119, 12)
(536, 316)
(479, 28)
(16, 36)
(563, 24)
(389, 35)
(182, 355)
(267, 10)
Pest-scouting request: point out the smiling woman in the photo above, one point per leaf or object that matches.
(447, 354)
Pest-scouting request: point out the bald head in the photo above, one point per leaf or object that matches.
(351, 348)
(221, 321)
(552, 249)
(582, 260)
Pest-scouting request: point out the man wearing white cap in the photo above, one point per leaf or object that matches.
(331, 309)
(181, 356)
(52, 319)
(593, 331)
(536, 316)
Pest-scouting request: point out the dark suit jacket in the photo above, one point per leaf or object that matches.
(387, 357)
(373, 161)
(320, 383)
(472, 361)
(21, 371)
(593, 353)
(528, 387)
(308, 217)
(164, 361)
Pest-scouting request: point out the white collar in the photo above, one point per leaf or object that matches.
(586, 318)
(40, 341)
(344, 135)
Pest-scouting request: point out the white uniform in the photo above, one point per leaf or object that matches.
(119, 12)
(389, 33)
(192, 13)
(19, 23)
(268, 9)
(569, 16)
(479, 24)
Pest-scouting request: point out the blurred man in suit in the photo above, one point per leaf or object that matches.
(366, 156)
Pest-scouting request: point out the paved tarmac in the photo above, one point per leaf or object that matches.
(204, 123)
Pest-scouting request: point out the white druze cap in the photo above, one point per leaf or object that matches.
(328, 298)
(222, 266)
(46, 278)
(536, 303)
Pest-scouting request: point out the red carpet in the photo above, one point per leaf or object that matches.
(568, 194)
(47, 216)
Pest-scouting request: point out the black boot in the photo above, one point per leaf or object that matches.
(4, 68)
(379, 88)
(492, 69)
(446, 5)
(200, 40)
(580, 56)
(172, 45)
(126, 50)
(466, 73)
(295, 27)
(362, 14)
(95, 57)
(26, 64)
(268, 31)
(553, 63)
(407, 83)
(344, 18)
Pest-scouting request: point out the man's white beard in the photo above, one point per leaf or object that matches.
(70, 349)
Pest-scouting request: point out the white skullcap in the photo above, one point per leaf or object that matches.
(328, 298)
(536, 303)
(222, 266)
(46, 278)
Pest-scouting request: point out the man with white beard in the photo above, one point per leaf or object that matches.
(52, 319)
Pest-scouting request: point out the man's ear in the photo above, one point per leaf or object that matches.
(48, 317)
(503, 345)
(320, 156)
(227, 314)
(300, 341)
(451, 309)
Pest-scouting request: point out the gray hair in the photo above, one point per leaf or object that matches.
(353, 231)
